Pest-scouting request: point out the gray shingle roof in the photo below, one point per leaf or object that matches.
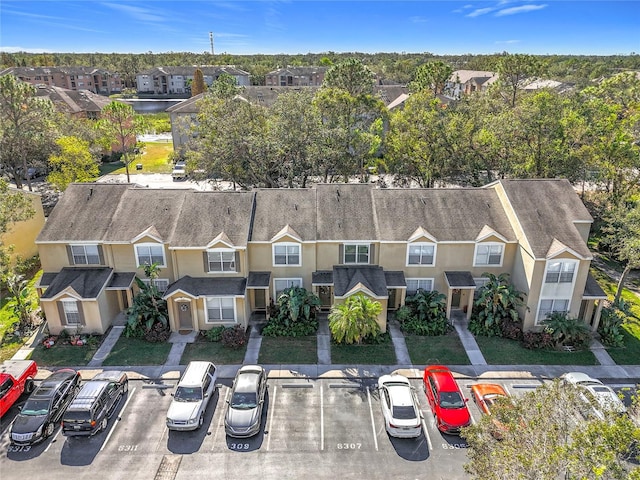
(121, 280)
(395, 279)
(258, 279)
(73, 101)
(202, 287)
(592, 289)
(460, 279)
(345, 212)
(87, 282)
(322, 277)
(370, 276)
(278, 207)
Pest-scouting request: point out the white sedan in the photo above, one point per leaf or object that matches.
(601, 397)
(401, 413)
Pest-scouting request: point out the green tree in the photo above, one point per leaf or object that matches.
(431, 76)
(20, 302)
(497, 304)
(148, 313)
(121, 126)
(26, 130)
(355, 319)
(197, 86)
(14, 207)
(73, 163)
(225, 87)
(515, 69)
(352, 76)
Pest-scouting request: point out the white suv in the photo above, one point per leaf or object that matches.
(179, 171)
(190, 400)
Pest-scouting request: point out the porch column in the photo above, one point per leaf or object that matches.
(469, 304)
(596, 318)
(449, 294)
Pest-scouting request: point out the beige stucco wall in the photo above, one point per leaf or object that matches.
(109, 308)
(22, 235)
(198, 315)
(191, 262)
(91, 311)
(53, 256)
(261, 259)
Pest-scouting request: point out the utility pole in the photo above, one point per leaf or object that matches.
(211, 41)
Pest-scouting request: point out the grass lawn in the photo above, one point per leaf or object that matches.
(134, 351)
(154, 159)
(441, 350)
(63, 355)
(214, 352)
(381, 354)
(291, 350)
(502, 351)
(10, 344)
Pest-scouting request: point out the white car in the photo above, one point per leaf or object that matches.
(601, 397)
(400, 410)
(179, 171)
(190, 400)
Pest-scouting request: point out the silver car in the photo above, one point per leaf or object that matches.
(600, 397)
(195, 389)
(244, 409)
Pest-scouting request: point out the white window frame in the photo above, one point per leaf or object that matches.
(220, 261)
(71, 307)
(162, 284)
(480, 282)
(85, 254)
(419, 281)
(421, 263)
(221, 308)
(540, 317)
(286, 246)
(565, 272)
(149, 245)
(357, 245)
(489, 254)
(291, 282)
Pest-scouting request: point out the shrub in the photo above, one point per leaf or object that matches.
(511, 331)
(214, 334)
(497, 304)
(157, 334)
(424, 314)
(279, 327)
(355, 320)
(567, 330)
(537, 340)
(234, 337)
(294, 315)
(609, 328)
(484, 329)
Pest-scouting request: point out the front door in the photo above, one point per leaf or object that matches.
(391, 305)
(259, 299)
(324, 293)
(455, 298)
(184, 316)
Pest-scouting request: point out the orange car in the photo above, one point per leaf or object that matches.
(486, 394)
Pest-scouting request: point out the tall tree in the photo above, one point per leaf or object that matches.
(14, 207)
(72, 163)
(26, 131)
(352, 76)
(225, 86)
(355, 319)
(197, 86)
(431, 76)
(121, 126)
(514, 69)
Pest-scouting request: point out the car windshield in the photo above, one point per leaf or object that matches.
(451, 400)
(188, 394)
(404, 413)
(244, 401)
(35, 407)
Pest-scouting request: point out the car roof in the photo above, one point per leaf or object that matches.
(247, 381)
(112, 375)
(443, 378)
(400, 395)
(483, 389)
(53, 380)
(194, 373)
(579, 377)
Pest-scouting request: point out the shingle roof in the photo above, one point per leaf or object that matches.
(203, 287)
(463, 76)
(277, 207)
(460, 279)
(87, 282)
(258, 279)
(369, 276)
(345, 212)
(299, 71)
(189, 70)
(73, 101)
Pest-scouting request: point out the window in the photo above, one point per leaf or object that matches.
(221, 309)
(286, 254)
(489, 254)
(71, 313)
(221, 261)
(148, 253)
(560, 272)
(160, 283)
(550, 306)
(85, 254)
(281, 284)
(421, 254)
(414, 284)
(356, 253)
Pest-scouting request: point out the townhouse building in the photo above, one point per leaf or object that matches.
(466, 82)
(224, 256)
(296, 77)
(77, 103)
(177, 80)
(95, 80)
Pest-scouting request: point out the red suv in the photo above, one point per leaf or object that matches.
(447, 402)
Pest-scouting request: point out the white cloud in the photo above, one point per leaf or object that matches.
(507, 42)
(418, 19)
(138, 13)
(520, 9)
(480, 11)
(22, 49)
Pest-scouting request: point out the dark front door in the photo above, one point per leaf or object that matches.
(324, 293)
(391, 305)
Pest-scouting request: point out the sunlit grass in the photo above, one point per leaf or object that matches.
(154, 159)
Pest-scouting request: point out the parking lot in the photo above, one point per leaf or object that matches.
(326, 428)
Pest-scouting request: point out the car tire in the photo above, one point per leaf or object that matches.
(201, 420)
(103, 424)
(29, 385)
(48, 430)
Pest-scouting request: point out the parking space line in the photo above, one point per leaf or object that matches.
(373, 423)
(272, 405)
(218, 424)
(115, 424)
(426, 434)
(321, 418)
(53, 439)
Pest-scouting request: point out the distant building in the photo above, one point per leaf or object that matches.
(465, 82)
(296, 77)
(95, 80)
(177, 80)
(77, 103)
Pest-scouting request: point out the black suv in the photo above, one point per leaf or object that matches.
(90, 411)
(40, 414)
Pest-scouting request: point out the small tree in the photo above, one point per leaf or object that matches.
(496, 305)
(197, 86)
(294, 314)
(72, 163)
(355, 320)
(19, 301)
(148, 317)
(567, 331)
(425, 314)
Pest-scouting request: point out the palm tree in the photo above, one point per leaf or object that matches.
(355, 319)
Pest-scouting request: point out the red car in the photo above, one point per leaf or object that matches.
(445, 399)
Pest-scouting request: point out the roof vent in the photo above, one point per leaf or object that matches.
(228, 210)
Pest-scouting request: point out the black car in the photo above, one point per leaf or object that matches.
(43, 410)
(96, 402)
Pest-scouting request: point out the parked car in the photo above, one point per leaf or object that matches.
(179, 171)
(400, 410)
(96, 402)
(40, 415)
(600, 398)
(485, 395)
(244, 408)
(190, 400)
(445, 399)
(16, 378)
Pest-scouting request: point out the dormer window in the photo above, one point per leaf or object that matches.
(356, 253)
(421, 254)
(489, 254)
(221, 260)
(560, 272)
(149, 253)
(85, 254)
(286, 254)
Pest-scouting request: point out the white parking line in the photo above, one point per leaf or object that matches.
(426, 434)
(53, 439)
(115, 424)
(321, 418)
(373, 424)
(219, 424)
(272, 405)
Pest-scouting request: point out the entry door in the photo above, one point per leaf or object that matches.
(455, 298)
(260, 299)
(184, 316)
(392, 299)
(324, 293)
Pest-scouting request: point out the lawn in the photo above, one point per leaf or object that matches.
(64, 354)
(154, 159)
(442, 350)
(134, 351)
(381, 354)
(214, 352)
(502, 351)
(288, 350)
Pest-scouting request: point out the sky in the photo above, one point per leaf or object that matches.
(447, 27)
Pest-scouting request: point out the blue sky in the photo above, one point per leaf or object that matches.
(298, 26)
